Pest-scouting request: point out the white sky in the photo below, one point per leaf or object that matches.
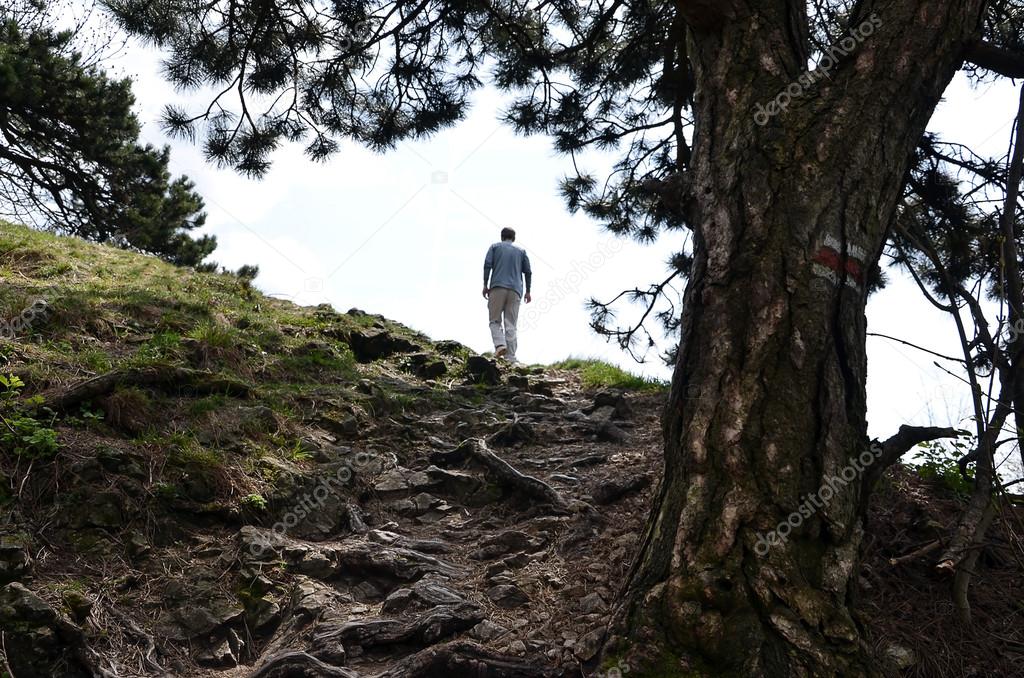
(404, 234)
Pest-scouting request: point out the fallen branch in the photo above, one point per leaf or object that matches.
(916, 553)
(475, 451)
(197, 382)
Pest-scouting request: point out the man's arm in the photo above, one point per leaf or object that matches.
(488, 265)
(527, 275)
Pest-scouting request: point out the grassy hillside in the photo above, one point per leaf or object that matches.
(150, 416)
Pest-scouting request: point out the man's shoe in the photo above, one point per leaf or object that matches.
(500, 352)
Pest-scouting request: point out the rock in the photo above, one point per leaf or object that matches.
(79, 605)
(592, 603)
(366, 592)
(19, 604)
(455, 484)
(450, 347)
(37, 642)
(504, 543)
(200, 616)
(345, 426)
(392, 481)
(602, 415)
(262, 614)
(102, 510)
(621, 409)
(218, 655)
(507, 565)
(329, 649)
(508, 596)
(519, 381)
(587, 647)
(370, 345)
(900, 656)
(482, 370)
(615, 488)
(610, 433)
(517, 648)
(424, 502)
(397, 601)
(513, 433)
(426, 366)
(15, 561)
(487, 630)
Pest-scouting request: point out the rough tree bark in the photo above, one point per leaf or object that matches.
(787, 216)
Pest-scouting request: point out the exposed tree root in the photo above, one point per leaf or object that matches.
(364, 557)
(293, 664)
(475, 452)
(427, 629)
(164, 377)
(466, 660)
(616, 488)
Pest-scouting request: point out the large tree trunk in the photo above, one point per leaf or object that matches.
(768, 397)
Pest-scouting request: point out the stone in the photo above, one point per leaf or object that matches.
(370, 345)
(616, 400)
(504, 543)
(592, 603)
(79, 605)
(37, 642)
(450, 347)
(15, 561)
(398, 600)
(900, 656)
(487, 630)
(366, 592)
(610, 433)
(426, 366)
(218, 655)
(392, 481)
(587, 647)
(508, 596)
(482, 370)
(19, 604)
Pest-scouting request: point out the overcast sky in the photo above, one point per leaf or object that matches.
(404, 234)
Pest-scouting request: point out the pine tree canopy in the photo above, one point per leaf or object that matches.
(70, 157)
(605, 74)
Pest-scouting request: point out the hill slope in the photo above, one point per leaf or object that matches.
(202, 481)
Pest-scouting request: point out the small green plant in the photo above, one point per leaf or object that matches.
(163, 347)
(255, 502)
(22, 432)
(166, 491)
(937, 461)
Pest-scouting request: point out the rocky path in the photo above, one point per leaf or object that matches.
(495, 536)
(483, 533)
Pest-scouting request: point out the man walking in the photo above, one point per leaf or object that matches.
(505, 267)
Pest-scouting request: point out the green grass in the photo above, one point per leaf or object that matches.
(599, 374)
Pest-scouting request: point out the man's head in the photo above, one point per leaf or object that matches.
(508, 234)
